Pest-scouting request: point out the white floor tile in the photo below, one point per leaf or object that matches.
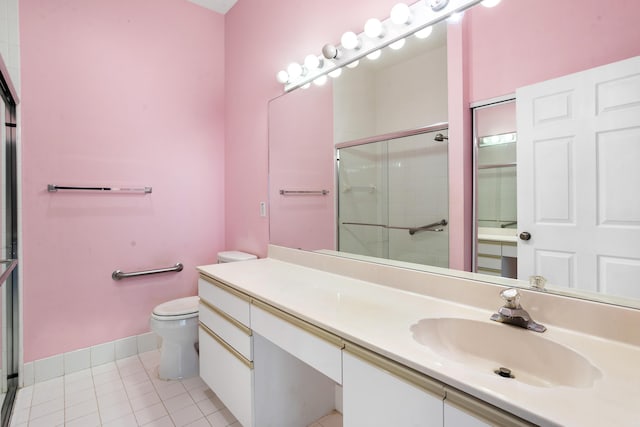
(126, 421)
(120, 394)
(113, 412)
(151, 413)
(89, 420)
(162, 422)
(80, 410)
(186, 415)
(222, 418)
(144, 401)
(46, 408)
(178, 402)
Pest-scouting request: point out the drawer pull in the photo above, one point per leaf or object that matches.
(226, 287)
(226, 317)
(224, 344)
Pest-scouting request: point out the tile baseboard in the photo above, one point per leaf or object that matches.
(77, 360)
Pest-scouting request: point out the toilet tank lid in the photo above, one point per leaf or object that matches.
(232, 256)
(177, 307)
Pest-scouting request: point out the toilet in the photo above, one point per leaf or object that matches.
(176, 322)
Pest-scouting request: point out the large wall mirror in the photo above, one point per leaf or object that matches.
(505, 50)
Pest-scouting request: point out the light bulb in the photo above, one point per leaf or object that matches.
(282, 76)
(319, 81)
(400, 14)
(350, 40)
(424, 33)
(373, 28)
(374, 55)
(398, 44)
(335, 73)
(353, 64)
(295, 70)
(311, 62)
(490, 3)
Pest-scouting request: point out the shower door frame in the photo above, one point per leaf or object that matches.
(10, 98)
(440, 126)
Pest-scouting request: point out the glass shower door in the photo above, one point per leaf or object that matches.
(393, 199)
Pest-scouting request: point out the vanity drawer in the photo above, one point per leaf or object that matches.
(230, 330)
(490, 262)
(225, 298)
(314, 346)
(510, 250)
(228, 374)
(486, 248)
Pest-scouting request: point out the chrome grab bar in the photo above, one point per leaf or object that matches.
(412, 230)
(428, 227)
(13, 263)
(304, 192)
(52, 188)
(117, 275)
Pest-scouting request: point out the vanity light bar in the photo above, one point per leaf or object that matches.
(421, 15)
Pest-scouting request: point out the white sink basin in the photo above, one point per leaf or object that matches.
(487, 346)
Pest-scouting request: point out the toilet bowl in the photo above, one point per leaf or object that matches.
(176, 321)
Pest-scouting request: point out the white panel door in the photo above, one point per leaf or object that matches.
(578, 165)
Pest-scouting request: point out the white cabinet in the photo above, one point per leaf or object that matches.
(462, 410)
(226, 346)
(380, 392)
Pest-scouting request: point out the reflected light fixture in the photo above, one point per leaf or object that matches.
(490, 3)
(320, 80)
(353, 64)
(397, 44)
(335, 73)
(401, 14)
(373, 28)
(350, 40)
(455, 17)
(424, 33)
(374, 55)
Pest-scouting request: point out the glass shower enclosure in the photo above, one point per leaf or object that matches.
(393, 196)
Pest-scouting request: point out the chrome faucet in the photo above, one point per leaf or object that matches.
(512, 312)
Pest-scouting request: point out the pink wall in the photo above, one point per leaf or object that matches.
(301, 149)
(522, 42)
(123, 92)
(261, 38)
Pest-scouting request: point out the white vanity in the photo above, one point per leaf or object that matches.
(287, 339)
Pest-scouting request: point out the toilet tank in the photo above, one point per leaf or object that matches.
(233, 256)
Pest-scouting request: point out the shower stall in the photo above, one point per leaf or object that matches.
(393, 196)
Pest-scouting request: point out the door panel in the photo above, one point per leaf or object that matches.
(578, 156)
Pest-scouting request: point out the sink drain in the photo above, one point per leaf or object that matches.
(504, 372)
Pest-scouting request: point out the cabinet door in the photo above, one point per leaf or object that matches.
(378, 392)
(454, 417)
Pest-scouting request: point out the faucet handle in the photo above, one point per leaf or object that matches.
(512, 297)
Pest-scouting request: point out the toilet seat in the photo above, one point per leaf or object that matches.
(177, 309)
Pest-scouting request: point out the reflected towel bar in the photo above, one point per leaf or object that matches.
(52, 188)
(412, 230)
(117, 275)
(12, 265)
(304, 192)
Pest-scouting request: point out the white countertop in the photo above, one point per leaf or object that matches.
(379, 318)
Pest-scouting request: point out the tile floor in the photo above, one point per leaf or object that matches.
(122, 393)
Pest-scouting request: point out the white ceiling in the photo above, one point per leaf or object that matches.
(220, 6)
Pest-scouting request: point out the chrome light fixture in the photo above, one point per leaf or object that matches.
(404, 20)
